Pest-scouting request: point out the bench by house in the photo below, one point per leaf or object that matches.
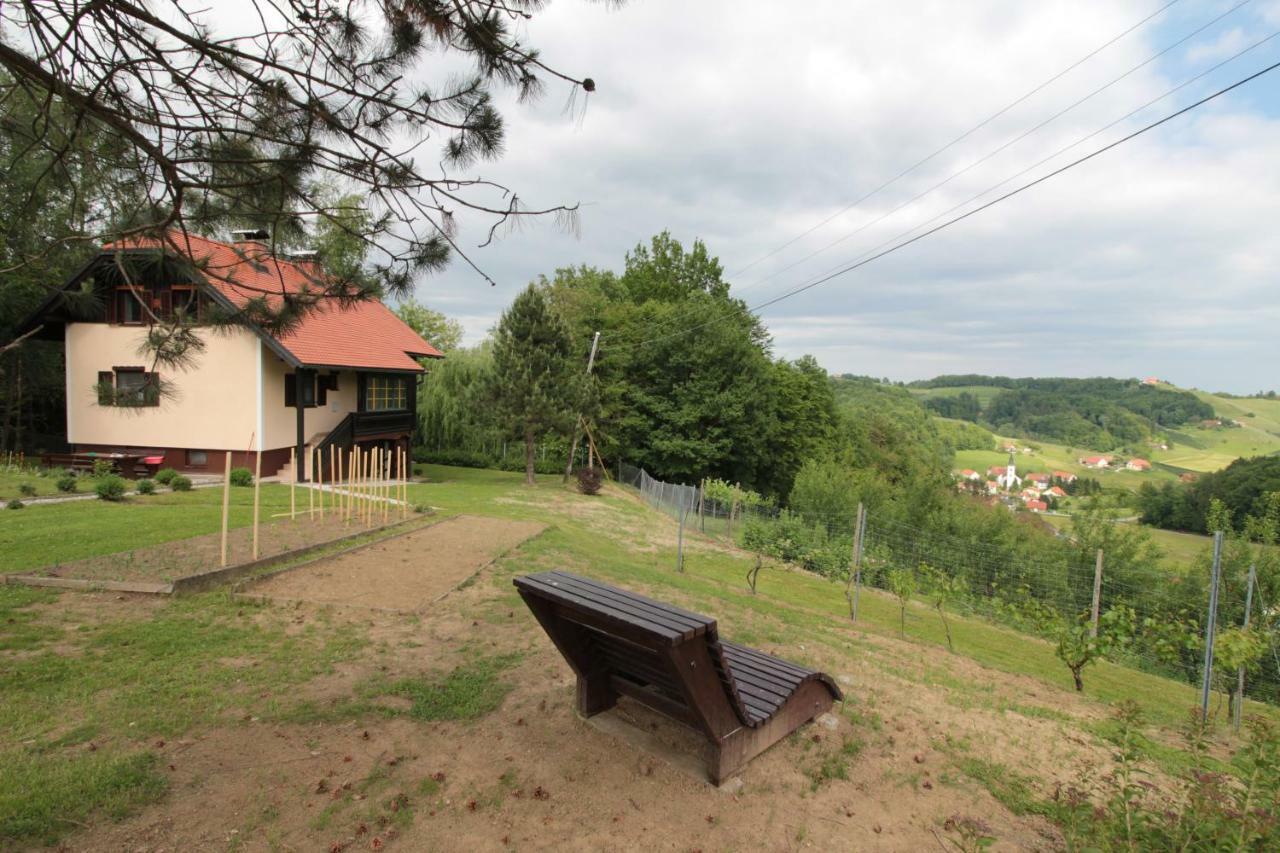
(126, 465)
(672, 660)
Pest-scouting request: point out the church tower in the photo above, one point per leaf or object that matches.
(1010, 479)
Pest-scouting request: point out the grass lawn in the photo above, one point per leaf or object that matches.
(41, 535)
(97, 688)
(799, 602)
(12, 481)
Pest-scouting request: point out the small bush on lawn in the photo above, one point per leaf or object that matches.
(165, 476)
(146, 487)
(103, 468)
(241, 477)
(110, 488)
(66, 483)
(15, 504)
(590, 480)
(27, 490)
(179, 483)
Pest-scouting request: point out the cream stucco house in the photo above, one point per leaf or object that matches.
(345, 374)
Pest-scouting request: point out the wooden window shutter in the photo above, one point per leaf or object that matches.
(106, 382)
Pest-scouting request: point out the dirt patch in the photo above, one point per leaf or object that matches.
(168, 561)
(406, 573)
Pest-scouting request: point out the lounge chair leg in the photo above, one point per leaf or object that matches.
(595, 694)
(726, 760)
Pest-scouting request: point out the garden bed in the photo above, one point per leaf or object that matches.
(171, 563)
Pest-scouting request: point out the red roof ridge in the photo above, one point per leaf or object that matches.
(364, 334)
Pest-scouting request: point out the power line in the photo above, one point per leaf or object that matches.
(1008, 144)
(1030, 184)
(959, 138)
(1071, 145)
(998, 150)
(947, 224)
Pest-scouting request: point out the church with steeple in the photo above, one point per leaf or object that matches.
(1010, 480)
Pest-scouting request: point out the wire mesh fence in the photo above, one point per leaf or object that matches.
(1152, 621)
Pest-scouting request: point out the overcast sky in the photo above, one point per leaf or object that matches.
(747, 128)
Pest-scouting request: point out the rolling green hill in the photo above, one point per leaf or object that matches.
(1193, 447)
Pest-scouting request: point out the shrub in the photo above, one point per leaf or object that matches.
(110, 488)
(146, 487)
(27, 490)
(15, 504)
(241, 477)
(179, 483)
(165, 476)
(590, 480)
(103, 468)
(66, 483)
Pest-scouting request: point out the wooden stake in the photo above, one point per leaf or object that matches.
(257, 484)
(386, 489)
(226, 505)
(317, 466)
(351, 481)
(293, 485)
(311, 497)
(335, 501)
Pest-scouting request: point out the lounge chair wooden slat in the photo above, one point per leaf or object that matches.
(570, 600)
(693, 619)
(619, 643)
(764, 659)
(687, 628)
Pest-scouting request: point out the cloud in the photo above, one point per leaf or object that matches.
(745, 125)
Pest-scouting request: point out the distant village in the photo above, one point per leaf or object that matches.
(1038, 491)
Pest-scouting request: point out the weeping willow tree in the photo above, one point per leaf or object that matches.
(454, 412)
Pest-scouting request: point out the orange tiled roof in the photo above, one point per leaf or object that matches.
(366, 335)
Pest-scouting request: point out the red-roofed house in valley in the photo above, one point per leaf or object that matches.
(970, 474)
(1136, 464)
(997, 471)
(1057, 492)
(1095, 461)
(343, 375)
(1037, 506)
(1039, 479)
(1064, 476)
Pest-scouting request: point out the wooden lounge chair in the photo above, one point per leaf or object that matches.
(673, 661)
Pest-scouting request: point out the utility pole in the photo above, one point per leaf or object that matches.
(577, 430)
(1211, 624)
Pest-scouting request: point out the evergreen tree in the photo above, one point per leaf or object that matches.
(538, 382)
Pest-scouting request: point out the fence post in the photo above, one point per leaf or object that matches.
(1211, 624)
(680, 541)
(733, 510)
(1097, 595)
(1248, 606)
(855, 570)
(702, 487)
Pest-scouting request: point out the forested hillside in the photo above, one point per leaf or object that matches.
(1245, 487)
(1101, 414)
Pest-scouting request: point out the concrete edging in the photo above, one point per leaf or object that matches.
(216, 577)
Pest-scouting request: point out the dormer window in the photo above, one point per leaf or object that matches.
(128, 307)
